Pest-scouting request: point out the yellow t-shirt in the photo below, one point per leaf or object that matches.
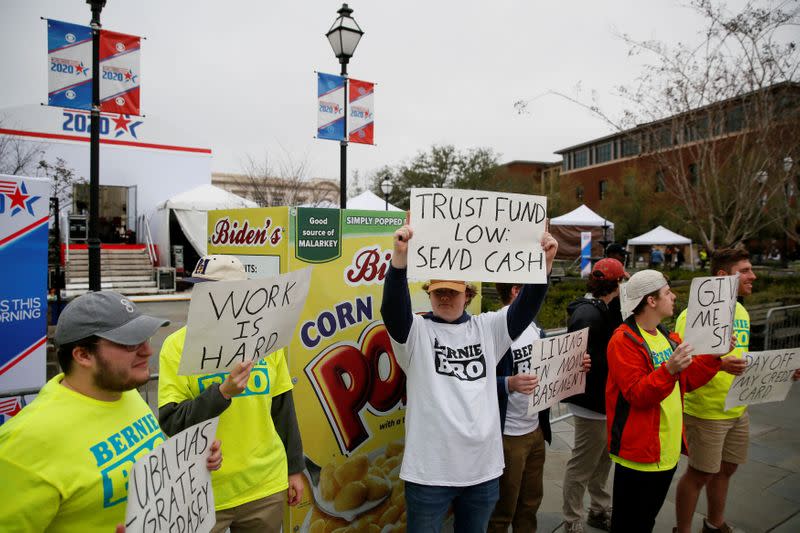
(254, 459)
(65, 458)
(708, 401)
(670, 426)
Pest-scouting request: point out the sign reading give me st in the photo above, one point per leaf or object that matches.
(477, 236)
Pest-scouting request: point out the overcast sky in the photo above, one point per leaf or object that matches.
(237, 76)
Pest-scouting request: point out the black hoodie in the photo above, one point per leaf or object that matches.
(601, 321)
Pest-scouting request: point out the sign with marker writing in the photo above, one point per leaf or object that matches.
(767, 378)
(240, 321)
(477, 236)
(709, 316)
(558, 361)
(170, 488)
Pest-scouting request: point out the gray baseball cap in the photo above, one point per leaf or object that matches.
(106, 314)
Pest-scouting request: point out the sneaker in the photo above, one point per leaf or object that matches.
(724, 528)
(599, 519)
(574, 527)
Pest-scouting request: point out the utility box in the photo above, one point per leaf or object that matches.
(165, 279)
(78, 228)
(177, 258)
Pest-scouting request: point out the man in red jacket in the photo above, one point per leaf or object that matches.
(649, 370)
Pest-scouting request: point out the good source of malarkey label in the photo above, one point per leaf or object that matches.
(709, 316)
(170, 488)
(477, 236)
(240, 321)
(767, 378)
(558, 361)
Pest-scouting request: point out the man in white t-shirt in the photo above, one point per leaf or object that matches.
(454, 452)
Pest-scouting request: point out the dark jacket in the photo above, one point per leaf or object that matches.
(505, 368)
(594, 314)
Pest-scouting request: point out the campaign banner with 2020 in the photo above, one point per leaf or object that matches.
(24, 213)
(69, 52)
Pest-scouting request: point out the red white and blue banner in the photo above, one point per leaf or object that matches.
(362, 112)
(24, 214)
(120, 75)
(330, 116)
(69, 51)
(69, 57)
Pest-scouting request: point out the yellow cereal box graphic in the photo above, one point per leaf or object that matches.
(349, 391)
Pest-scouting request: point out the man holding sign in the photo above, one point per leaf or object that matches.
(449, 358)
(65, 458)
(649, 370)
(717, 438)
(524, 435)
(263, 455)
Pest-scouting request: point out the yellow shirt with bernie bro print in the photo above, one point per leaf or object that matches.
(254, 464)
(65, 458)
(670, 426)
(708, 402)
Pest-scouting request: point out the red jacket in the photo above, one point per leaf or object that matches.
(635, 389)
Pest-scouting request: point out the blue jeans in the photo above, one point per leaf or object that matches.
(426, 506)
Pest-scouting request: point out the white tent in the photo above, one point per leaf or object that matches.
(191, 209)
(661, 235)
(581, 216)
(369, 200)
(567, 230)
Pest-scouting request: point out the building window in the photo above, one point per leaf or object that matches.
(603, 188)
(696, 129)
(564, 164)
(694, 175)
(661, 138)
(661, 186)
(603, 152)
(580, 159)
(734, 119)
(579, 193)
(630, 146)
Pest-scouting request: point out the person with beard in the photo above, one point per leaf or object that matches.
(590, 464)
(65, 458)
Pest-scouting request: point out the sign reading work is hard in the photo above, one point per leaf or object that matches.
(709, 316)
(558, 361)
(477, 236)
(767, 378)
(170, 488)
(241, 321)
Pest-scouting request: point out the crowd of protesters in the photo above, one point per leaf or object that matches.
(470, 446)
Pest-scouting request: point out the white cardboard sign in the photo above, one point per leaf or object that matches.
(767, 378)
(558, 361)
(169, 489)
(709, 316)
(477, 236)
(240, 321)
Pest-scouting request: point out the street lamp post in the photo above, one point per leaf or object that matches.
(344, 36)
(605, 242)
(94, 151)
(386, 187)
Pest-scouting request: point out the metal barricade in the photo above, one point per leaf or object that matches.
(782, 328)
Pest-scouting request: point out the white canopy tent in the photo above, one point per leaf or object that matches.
(191, 210)
(662, 235)
(567, 230)
(371, 201)
(581, 216)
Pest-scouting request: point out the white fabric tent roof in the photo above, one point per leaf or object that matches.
(658, 235)
(369, 200)
(191, 209)
(205, 198)
(580, 216)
